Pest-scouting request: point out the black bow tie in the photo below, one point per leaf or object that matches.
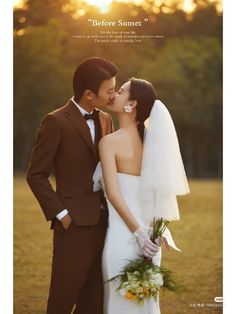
(93, 116)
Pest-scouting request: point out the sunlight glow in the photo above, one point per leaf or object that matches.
(103, 5)
(188, 6)
(18, 3)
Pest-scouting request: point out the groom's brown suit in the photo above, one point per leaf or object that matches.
(64, 144)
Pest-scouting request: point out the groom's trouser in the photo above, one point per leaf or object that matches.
(76, 268)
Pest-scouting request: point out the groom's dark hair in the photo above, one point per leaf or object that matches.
(90, 74)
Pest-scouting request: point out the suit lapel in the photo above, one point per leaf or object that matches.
(76, 117)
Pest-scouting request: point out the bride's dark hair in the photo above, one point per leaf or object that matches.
(145, 94)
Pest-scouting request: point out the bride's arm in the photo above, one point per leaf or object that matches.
(107, 153)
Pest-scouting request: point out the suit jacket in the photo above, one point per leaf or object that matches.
(64, 145)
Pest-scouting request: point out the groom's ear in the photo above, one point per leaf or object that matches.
(88, 94)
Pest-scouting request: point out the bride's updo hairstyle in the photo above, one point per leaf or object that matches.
(145, 94)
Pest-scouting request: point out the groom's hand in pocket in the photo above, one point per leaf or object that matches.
(66, 221)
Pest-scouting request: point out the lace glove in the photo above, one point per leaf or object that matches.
(159, 240)
(146, 246)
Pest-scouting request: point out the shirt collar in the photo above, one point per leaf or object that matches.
(79, 107)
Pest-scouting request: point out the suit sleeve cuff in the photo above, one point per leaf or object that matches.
(62, 214)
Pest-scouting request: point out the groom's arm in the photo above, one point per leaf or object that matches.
(41, 164)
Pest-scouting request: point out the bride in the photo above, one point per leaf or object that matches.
(141, 172)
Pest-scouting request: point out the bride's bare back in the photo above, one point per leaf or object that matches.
(121, 152)
(129, 151)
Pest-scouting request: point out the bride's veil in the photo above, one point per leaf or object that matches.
(162, 175)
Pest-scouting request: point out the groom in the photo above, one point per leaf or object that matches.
(67, 143)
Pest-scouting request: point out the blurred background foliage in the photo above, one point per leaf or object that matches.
(185, 66)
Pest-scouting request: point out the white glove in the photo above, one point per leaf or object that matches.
(159, 240)
(147, 247)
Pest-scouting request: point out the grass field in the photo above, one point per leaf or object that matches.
(198, 234)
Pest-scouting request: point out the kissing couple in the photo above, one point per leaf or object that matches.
(109, 186)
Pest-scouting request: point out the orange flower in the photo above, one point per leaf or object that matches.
(134, 297)
(129, 295)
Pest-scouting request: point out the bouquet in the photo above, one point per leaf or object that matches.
(141, 278)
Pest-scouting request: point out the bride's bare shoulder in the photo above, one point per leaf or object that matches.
(112, 139)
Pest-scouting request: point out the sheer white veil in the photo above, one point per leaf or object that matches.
(162, 174)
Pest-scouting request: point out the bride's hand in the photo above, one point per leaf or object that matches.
(160, 240)
(147, 247)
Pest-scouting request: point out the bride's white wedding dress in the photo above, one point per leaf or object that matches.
(119, 248)
(163, 178)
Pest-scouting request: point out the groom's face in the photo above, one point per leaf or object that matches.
(106, 93)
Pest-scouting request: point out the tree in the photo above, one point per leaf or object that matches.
(41, 83)
(188, 76)
(38, 12)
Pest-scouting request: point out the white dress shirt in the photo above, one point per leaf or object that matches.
(91, 126)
